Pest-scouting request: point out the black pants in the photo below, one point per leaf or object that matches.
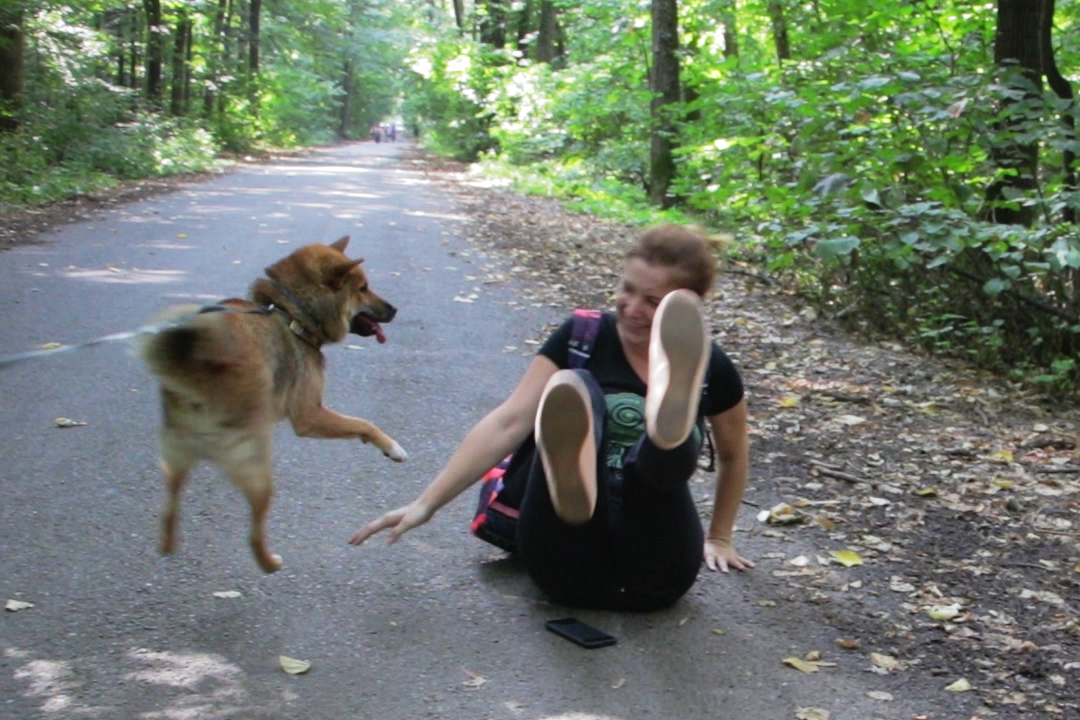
(642, 548)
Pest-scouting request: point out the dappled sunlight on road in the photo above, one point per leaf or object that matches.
(440, 216)
(163, 245)
(52, 682)
(124, 276)
(313, 169)
(180, 669)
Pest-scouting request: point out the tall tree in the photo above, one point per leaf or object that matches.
(1018, 52)
(181, 48)
(254, 21)
(664, 84)
(12, 48)
(1063, 89)
(779, 27)
(459, 15)
(155, 31)
(731, 31)
(546, 50)
(493, 24)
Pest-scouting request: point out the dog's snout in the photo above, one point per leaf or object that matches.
(388, 313)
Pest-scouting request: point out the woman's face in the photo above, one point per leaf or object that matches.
(642, 288)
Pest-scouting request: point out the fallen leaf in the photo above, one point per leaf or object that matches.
(63, 422)
(879, 695)
(684, 621)
(783, 514)
(181, 235)
(813, 655)
(618, 683)
(789, 401)
(925, 492)
(811, 714)
(17, 605)
(806, 666)
(847, 644)
(961, 685)
(898, 584)
(850, 420)
(943, 612)
(458, 298)
(474, 680)
(51, 346)
(293, 666)
(228, 594)
(847, 558)
(885, 662)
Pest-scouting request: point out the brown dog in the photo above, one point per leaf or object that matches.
(230, 371)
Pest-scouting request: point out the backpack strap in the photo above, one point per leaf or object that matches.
(586, 324)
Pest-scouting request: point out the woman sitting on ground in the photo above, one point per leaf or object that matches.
(603, 455)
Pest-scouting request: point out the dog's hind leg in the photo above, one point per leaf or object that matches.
(176, 474)
(259, 490)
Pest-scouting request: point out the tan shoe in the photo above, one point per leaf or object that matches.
(679, 351)
(567, 445)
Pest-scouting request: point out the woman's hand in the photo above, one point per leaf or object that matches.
(720, 553)
(398, 521)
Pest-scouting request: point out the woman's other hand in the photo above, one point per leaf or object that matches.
(720, 554)
(398, 522)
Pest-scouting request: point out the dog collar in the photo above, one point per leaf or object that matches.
(295, 327)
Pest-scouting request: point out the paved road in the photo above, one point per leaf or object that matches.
(436, 626)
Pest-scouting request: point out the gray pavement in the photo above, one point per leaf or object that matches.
(438, 625)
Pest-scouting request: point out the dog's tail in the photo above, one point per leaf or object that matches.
(181, 341)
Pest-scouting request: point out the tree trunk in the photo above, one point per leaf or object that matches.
(664, 84)
(12, 49)
(1063, 90)
(493, 25)
(459, 15)
(179, 65)
(346, 105)
(1017, 51)
(731, 31)
(133, 50)
(524, 26)
(545, 40)
(779, 26)
(253, 53)
(154, 33)
(214, 55)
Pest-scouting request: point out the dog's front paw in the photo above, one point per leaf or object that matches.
(397, 453)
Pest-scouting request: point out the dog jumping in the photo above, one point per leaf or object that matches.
(229, 372)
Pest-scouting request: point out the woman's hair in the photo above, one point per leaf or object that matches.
(686, 252)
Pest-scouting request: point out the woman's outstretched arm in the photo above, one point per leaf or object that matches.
(498, 434)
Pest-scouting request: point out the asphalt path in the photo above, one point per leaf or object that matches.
(439, 625)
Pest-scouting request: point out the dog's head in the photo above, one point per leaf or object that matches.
(332, 290)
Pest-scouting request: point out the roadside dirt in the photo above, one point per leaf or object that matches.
(929, 513)
(954, 492)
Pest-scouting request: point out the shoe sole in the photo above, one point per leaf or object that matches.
(567, 450)
(685, 343)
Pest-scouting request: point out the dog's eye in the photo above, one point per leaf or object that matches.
(364, 287)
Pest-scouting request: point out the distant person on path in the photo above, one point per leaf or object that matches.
(603, 454)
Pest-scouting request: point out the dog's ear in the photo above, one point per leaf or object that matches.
(341, 244)
(336, 274)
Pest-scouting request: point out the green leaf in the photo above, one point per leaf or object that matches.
(835, 248)
(995, 286)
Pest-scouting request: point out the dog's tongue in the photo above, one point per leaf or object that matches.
(379, 334)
